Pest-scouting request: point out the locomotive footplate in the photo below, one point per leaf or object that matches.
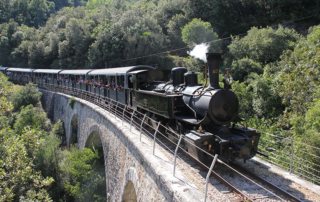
(236, 143)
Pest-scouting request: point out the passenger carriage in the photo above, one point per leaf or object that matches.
(50, 76)
(20, 75)
(3, 69)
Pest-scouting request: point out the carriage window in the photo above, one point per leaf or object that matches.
(142, 81)
(120, 84)
(130, 81)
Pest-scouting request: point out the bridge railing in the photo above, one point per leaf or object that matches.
(283, 152)
(294, 156)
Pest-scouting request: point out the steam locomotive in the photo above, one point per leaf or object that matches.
(206, 116)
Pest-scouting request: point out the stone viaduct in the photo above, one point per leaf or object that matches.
(132, 172)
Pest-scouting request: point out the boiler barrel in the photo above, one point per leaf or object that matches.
(221, 105)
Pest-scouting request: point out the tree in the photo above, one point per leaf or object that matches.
(197, 32)
(298, 82)
(87, 178)
(266, 101)
(38, 12)
(33, 117)
(26, 95)
(48, 160)
(174, 27)
(6, 89)
(243, 67)
(263, 46)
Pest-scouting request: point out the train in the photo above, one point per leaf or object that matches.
(207, 116)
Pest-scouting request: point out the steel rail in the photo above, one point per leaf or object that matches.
(273, 186)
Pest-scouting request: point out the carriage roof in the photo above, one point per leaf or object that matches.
(20, 70)
(3, 68)
(48, 71)
(119, 70)
(76, 71)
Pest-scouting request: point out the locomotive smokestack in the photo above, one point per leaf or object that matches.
(213, 60)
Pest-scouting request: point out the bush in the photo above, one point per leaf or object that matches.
(26, 95)
(48, 160)
(19, 181)
(298, 82)
(263, 45)
(58, 129)
(31, 116)
(243, 67)
(245, 98)
(71, 102)
(86, 174)
(198, 32)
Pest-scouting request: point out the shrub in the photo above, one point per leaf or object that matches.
(86, 174)
(263, 45)
(243, 67)
(58, 129)
(31, 116)
(71, 102)
(26, 95)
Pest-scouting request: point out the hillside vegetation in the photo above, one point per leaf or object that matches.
(33, 165)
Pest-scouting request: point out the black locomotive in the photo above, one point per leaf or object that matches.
(205, 115)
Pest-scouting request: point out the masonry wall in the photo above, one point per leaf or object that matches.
(127, 160)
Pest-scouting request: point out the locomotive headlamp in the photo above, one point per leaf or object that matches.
(227, 80)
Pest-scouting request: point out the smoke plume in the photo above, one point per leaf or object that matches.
(199, 51)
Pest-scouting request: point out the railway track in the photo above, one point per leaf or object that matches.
(231, 181)
(236, 183)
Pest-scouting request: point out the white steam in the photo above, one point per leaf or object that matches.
(199, 51)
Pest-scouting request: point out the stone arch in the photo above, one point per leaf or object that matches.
(73, 128)
(130, 186)
(94, 139)
(73, 138)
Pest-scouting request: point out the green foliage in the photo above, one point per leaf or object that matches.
(245, 97)
(87, 181)
(238, 16)
(197, 32)
(58, 129)
(6, 89)
(194, 64)
(26, 95)
(93, 4)
(71, 102)
(298, 82)
(18, 178)
(31, 116)
(262, 45)
(243, 67)
(48, 160)
(265, 101)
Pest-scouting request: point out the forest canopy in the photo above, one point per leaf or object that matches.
(107, 33)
